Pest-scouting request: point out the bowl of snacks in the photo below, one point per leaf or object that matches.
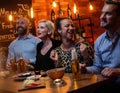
(56, 73)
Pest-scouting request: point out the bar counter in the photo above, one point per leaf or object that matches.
(87, 83)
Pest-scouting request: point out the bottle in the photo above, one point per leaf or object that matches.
(83, 31)
(75, 65)
(53, 15)
(60, 12)
(69, 12)
(77, 15)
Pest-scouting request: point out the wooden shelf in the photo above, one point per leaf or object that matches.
(85, 24)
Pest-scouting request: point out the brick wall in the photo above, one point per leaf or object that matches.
(42, 10)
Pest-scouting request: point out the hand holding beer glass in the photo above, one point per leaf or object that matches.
(22, 65)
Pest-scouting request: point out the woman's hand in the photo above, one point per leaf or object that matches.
(84, 52)
(54, 55)
(79, 40)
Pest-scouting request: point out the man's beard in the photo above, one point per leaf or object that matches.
(22, 32)
(107, 27)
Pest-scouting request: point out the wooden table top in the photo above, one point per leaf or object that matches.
(85, 84)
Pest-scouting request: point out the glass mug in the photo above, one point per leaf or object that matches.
(22, 66)
(13, 65)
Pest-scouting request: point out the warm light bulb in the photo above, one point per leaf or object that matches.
(31, 13)
(91, 7)
(54, 4)
(10, 17)
(75, 9)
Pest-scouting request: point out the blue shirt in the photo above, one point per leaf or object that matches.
(107, 53)
(26, 46)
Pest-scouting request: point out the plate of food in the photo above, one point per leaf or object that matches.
(21, 76)
(31, 84)
(34, 77)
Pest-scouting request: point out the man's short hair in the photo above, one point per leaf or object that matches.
(117, 3)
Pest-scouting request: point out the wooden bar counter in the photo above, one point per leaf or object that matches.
(87, 83)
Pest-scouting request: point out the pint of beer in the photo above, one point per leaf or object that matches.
(13, 65)
(75, 66)
(21, 66)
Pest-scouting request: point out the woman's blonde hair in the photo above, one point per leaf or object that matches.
(49, 24)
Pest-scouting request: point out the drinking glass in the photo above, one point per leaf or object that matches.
(22, 67)
(13, 63)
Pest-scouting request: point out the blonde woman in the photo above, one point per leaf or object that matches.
(45, 29)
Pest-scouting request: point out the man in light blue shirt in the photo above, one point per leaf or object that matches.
(107, 46)
(107, 54)
(25, 44)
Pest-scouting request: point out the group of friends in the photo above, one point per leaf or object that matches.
(45, 53)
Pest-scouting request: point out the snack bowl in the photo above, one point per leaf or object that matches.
(56, 73)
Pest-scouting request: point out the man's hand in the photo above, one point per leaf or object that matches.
(82, 67)
(110, 72)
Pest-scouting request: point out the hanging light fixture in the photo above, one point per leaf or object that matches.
(54, 4)
(75, 9)
(10, 17)
(31, 12)
(90, 6)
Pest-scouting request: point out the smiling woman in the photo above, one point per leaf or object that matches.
(62, 54)
(44, 48)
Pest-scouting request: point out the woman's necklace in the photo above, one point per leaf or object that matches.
(69, 48)
(46, 48)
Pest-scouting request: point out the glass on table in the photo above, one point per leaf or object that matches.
(4, 73)
(22, 66)
(75, 65)
(37, 72)
(13, 64)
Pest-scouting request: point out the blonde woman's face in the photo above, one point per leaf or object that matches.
(67, 29)
(42, 30)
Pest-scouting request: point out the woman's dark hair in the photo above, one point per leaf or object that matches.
(57, 22)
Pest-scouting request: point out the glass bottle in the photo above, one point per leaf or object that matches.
(69, 12)
(60, 12)
(53, 15)
(75, 65)
(83, 31)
